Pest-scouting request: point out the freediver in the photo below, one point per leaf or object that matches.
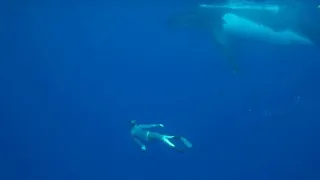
(142, 134)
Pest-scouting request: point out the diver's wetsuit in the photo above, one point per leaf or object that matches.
(141, 132)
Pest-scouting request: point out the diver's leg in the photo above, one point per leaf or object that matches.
(166, 140)
(161, 137)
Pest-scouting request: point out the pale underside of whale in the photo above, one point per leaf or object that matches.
(235, 25)
(268, 23)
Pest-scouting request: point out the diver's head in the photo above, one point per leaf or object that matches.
(133, 123)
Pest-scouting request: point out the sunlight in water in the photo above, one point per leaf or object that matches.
(244, 6)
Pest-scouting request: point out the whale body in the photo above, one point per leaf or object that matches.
(279, 24)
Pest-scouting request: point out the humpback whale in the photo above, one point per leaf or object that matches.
(274, 23)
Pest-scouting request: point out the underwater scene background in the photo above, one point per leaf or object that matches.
(74, 73)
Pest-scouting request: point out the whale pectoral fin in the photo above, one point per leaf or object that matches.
(226, 52)
(232, 62)
(223, 44)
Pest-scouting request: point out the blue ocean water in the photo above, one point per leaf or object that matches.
(74, 73)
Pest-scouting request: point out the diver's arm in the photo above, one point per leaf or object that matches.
(143, 147)
(148, 126)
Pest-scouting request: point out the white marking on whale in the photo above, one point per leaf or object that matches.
(239, 26)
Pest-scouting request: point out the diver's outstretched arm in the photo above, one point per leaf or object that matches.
(143, 147)
(148, 126)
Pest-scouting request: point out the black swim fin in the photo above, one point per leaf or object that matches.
(186, 142)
